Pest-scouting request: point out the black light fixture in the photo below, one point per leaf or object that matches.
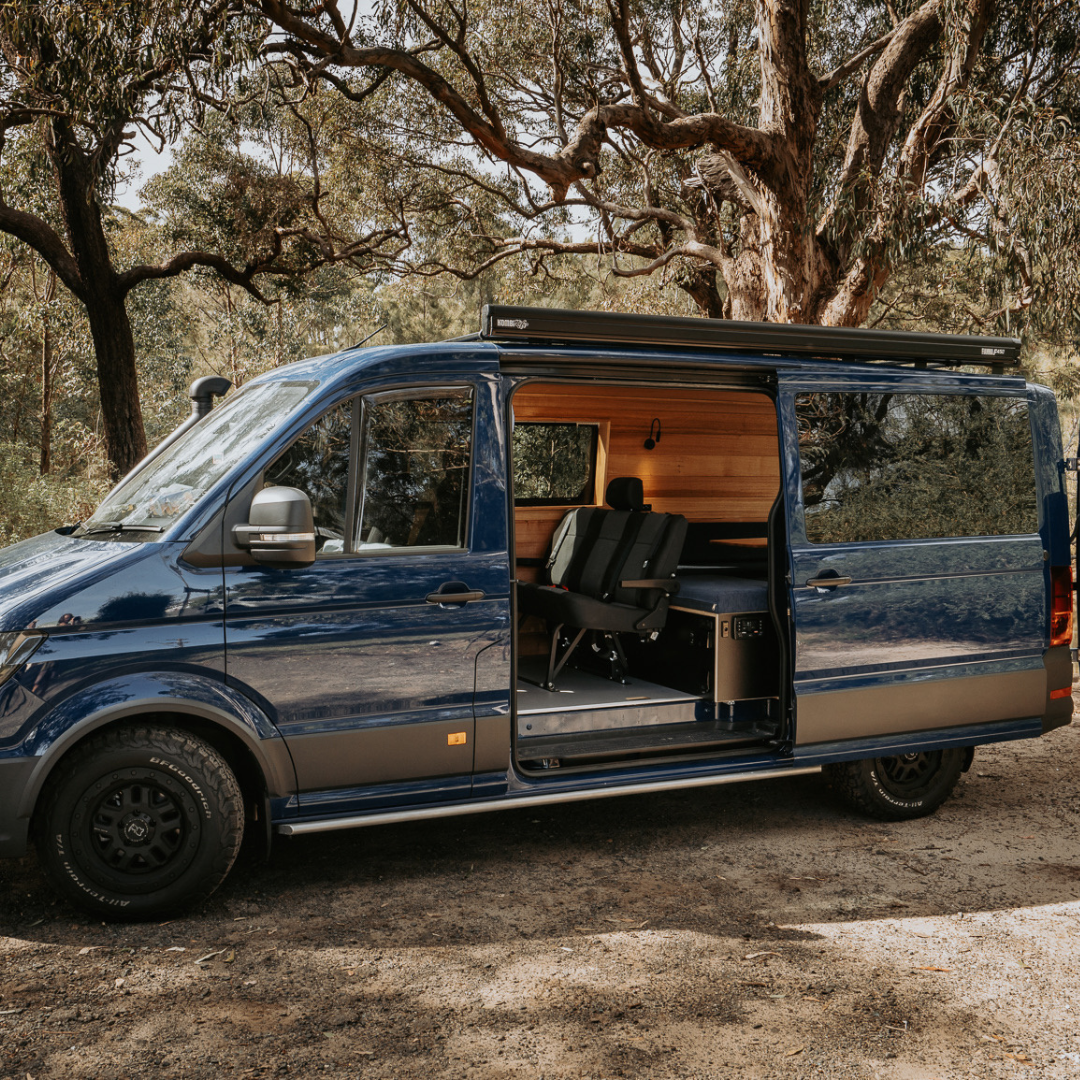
(654, 435)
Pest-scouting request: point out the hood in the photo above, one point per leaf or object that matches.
(37, 576)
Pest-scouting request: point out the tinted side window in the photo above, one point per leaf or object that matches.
(416, 454)
(554, 464)
(914, 466)
(318, 464)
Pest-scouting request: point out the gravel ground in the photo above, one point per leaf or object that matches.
(753, 930)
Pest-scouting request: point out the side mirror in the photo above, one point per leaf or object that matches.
(281, 530)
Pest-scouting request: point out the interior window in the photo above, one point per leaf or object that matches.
(416, 454)
(915, 466)
(555, 464)
(318, 464)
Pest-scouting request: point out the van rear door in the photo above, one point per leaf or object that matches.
(918, 582)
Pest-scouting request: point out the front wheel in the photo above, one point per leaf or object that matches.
(140, 821)
(900, 787)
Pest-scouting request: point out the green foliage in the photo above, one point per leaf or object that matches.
(425, 227)
(978, 170)
(417, 308)
(40, 321)
(911, 466)
(31, 503)
(220, 197)
(105, 65)
(554, 463)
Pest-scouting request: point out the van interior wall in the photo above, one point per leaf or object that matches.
(717, 458)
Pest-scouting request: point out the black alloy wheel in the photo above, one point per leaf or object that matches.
(139, 826)
(908, 774)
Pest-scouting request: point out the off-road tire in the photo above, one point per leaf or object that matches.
(898, 788)
(139, 822)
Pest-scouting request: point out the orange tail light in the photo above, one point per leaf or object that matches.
(1061, 605)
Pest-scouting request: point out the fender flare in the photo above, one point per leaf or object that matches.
(185, 693)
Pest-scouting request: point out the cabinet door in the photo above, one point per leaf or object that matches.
(366, 659)
(918, 582)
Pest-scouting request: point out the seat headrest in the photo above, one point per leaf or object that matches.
(626, 493)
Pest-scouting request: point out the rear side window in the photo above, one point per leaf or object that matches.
(554, 464)
(914, 466)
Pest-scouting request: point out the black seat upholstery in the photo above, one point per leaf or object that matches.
(610, 570)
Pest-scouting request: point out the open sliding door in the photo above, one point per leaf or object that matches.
(918, 581)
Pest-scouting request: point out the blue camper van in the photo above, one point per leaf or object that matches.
(573, 556)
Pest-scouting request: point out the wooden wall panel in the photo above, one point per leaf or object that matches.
(717, 459)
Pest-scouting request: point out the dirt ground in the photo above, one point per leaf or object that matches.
(753, 930)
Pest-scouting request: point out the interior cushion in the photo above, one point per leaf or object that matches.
(560, 607)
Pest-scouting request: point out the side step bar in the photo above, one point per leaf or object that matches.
(510, 802)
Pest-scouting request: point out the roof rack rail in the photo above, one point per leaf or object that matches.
(501, 322)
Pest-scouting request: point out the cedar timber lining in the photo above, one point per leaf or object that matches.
(718, 457)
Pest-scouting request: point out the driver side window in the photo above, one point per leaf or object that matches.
(318, 464)
(416, 457)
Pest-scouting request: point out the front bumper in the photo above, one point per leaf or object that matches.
(14, 830)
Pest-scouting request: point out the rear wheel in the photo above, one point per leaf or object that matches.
(140, 821)
(899, 787)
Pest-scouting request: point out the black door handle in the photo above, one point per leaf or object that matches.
(448, 594)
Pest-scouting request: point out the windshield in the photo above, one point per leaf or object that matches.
(155, 496)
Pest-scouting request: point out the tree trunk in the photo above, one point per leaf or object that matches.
(110, 328)
(700, 285)
(118, 386)
(45, 462)
(773, 278)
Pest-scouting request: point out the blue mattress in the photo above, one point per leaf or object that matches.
(718, 594)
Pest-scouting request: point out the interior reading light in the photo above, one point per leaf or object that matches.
(654, 435)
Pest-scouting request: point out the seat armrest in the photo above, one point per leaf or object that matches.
(668, 585)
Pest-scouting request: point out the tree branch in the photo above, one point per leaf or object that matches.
(853, 63)
(929, 133)
(39, 235)
(579, 158)
(371, 244)
(184, 261)
(878, 115)
(457, 47)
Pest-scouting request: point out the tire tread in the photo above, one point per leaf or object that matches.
(217, 776)
(850, 780)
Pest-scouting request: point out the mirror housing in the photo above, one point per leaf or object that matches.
(281, 530)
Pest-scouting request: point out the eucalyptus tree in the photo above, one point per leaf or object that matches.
(77, 83)
(781, 159)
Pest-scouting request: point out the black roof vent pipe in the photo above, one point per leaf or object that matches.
(203, 391)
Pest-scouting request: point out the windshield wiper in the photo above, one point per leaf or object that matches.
(119, 527)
